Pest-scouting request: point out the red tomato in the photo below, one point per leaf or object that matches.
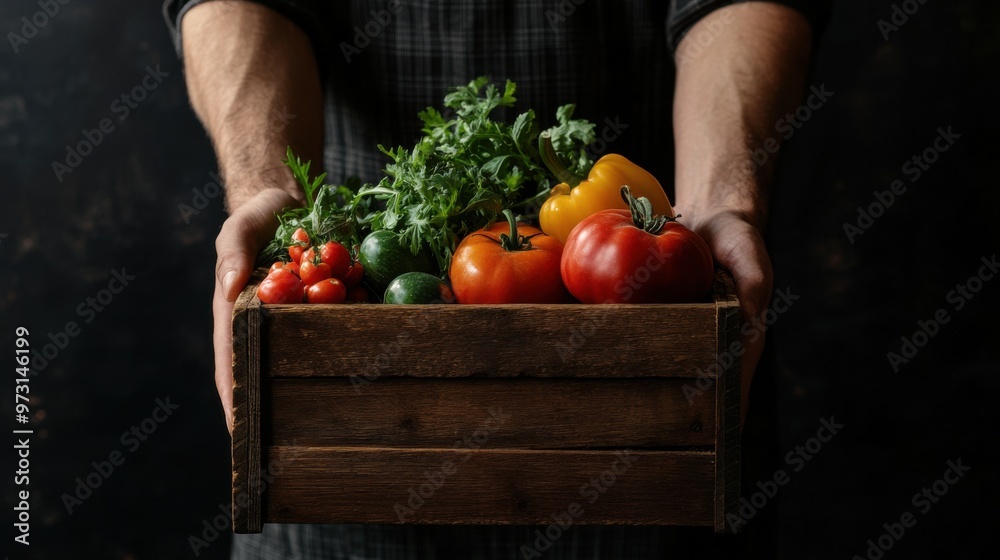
(632, 256)
(311, 273)
(295, 252)
(291, 266)
(308, 254)
(357, 294)
(300, 236)
(352, 279)
(508, 263)
(337, 257)
(329, 290)
(280, 286)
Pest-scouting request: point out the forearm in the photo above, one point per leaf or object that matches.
(729, 96)
(253, 81)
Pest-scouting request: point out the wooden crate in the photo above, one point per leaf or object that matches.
(489, 414)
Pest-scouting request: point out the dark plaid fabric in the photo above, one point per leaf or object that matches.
(409, 542)
(382, 63)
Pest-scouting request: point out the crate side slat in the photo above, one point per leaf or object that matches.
(490, 341)
(246, 442)
(727, 395)
(373, 485)
(539, 413)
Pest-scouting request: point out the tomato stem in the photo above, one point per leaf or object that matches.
(642, 213)
(514, 241)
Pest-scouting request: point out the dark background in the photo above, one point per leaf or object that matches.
(120, 208)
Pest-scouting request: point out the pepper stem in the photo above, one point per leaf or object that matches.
(551, 161)
(642, 213)
(514, 241)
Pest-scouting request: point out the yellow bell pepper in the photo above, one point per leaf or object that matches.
(567, 206)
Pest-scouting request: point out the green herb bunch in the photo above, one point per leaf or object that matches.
(331, 213)
(468, 168)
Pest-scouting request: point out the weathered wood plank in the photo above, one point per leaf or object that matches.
(539, 413)
(377, 485)
(489, 340)
(246, 440)
(727, 395)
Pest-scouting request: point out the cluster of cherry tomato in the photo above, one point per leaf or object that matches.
(323, 274)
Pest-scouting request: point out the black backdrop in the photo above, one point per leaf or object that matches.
(120, 207)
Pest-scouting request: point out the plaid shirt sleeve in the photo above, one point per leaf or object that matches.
(686, 13)
(304, 13)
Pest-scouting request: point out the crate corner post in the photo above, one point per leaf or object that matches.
(246, 438)
(727, 393)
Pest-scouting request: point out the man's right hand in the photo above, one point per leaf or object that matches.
(243, 235)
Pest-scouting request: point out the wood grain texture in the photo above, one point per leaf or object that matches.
(538, 413)
(727, 395)
(364, 484)
(332, 448)
(246, 447)
(489, 340)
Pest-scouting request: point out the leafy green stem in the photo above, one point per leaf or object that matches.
(551, 161)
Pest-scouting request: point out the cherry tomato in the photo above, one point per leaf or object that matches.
(295, 252)
(300, 236)
(312, 272)
(280, 286)
(337, 256)
(633, 256)
(329, 290)
(292, 266)
(352, 279)
(357, 294)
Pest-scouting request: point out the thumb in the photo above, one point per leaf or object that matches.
(247, 230)
(739, 247)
